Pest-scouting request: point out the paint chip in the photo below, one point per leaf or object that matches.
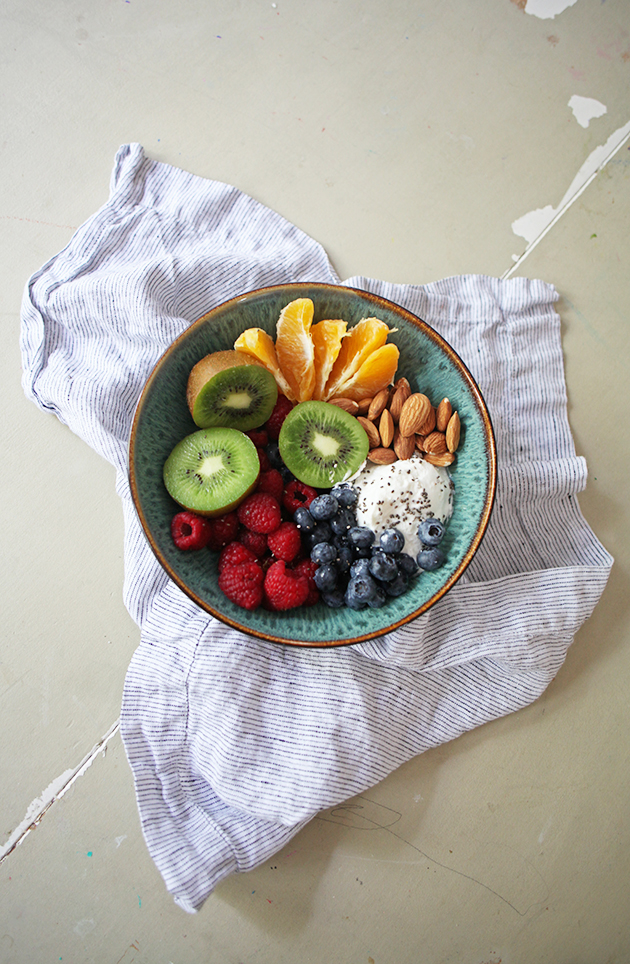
(586, 108)
(547, 9)
(532, 225)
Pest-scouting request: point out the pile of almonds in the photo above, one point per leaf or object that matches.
(399, 422)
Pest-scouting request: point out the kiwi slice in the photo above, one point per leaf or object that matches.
(322, 444)
(231, 389)
(212, 471)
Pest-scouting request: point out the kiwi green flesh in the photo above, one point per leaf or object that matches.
(242, 397)
(321, 444)
(211, 471)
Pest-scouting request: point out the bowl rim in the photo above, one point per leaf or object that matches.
(387, 305)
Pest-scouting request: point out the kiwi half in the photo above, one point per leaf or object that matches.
(231, 389)
(211, 471)
(322, 444)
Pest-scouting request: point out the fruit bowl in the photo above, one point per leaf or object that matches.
(162, 419)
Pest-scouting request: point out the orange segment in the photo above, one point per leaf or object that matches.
(294, 347)
(376, 372)
(327, 337)
(256, 342)
(366, 337)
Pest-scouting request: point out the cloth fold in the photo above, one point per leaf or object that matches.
(235, 743)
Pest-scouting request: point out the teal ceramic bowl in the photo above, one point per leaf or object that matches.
(431, 366)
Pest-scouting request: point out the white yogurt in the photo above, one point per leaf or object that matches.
(401, 495)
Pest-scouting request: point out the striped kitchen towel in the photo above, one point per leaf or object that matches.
(236, 743)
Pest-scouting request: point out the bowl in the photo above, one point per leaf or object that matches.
(431, 366)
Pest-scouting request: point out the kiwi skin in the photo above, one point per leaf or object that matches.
(250, 470)
(206, 370)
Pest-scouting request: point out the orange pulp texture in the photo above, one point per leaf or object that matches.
(325, 360)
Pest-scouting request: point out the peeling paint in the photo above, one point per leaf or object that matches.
(586, 108)
(533, 225)
(547, 9)
(35, 810)
(53, 792)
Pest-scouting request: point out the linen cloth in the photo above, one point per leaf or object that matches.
(236, 743)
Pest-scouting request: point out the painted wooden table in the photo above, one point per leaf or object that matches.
(414, 141)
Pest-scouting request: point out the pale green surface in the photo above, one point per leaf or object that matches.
(406, 138)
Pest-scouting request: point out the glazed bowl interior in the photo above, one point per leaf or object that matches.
(162, 419)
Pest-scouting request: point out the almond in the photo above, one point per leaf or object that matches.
(447, 458)
(372, 431)
(386, 428)
(348, 404)
(364, 405)
(435, 443)
(414, 413)
(400, 396)
(444, 412)
(403, 383)
(378, 403)
(452, 432)
(382, 456)
(428, 425)
(404, 445)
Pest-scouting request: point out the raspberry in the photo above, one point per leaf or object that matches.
(308, 568)
(297, 495)
(235, 554)
(190, 531)
(263, 458)
(260, 512)
(259, 437)
(280, 411)
(285, 542)
(243, 584)
(256, 542)
(271, 482)
(224, 530)
(285, 588)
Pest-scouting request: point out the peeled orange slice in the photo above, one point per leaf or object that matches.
(366, 337)
(294, 347)
(376, 372)
(327, 336)
(257, 343)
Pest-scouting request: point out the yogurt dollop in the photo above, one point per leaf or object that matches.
(401, 495)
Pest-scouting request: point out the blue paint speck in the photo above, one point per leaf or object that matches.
(89, 853)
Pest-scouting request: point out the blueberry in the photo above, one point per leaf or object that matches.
(334, 599)
(273, 454)
(392, 540)
(378, 599)
(323, 553)
(304, 520)
(431, 558)
(360, 537)
(340, 541)
(344, 493)
(325, 578)
(361, 553)
(398, 586)
(361, 589)
(407, 564)
(321, 533)
(361, 567)
(383, 567)
(431, 532)
(344, 520)
(324, 507)
(345, 557)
